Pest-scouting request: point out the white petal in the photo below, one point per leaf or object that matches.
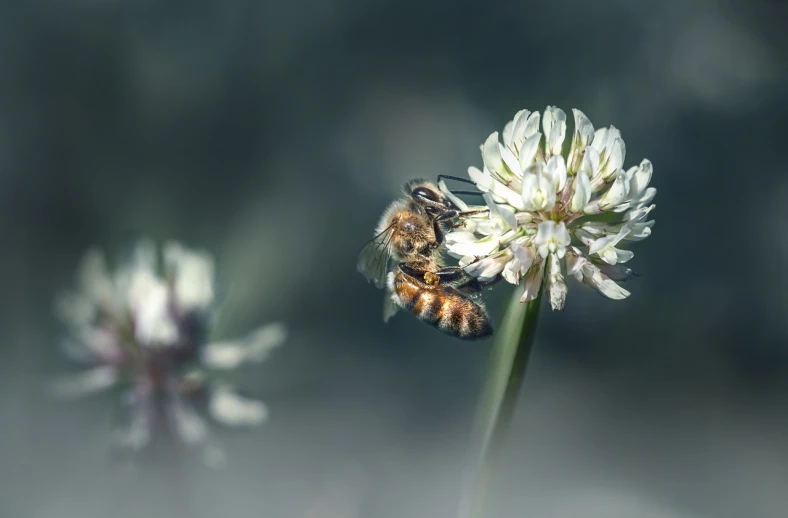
(602, 243)
(617, 154)
(450, 195)
(538, 192)
(192, 276)
(485, 227)
(230, 409)
(223, 355)
(623, 256)
(543, 237)
(505, 212)
(598, 228)
(154, 325)
(639, 202)
(600, 140)
(512, 271)
(606, 245)
(486, 183)
(529, 150)
(562, 238)
(524, 254)
(519, 125)
(584, 130)
(638, 214)
(640, 231)
(483, 179)
(479, 248)
(523, 218)
(581, 193)
(584, 133)
(460, 237)
(491, 155)
(84, 383)
(531, 125)
(590, 167)
(608, 144)
(552, 238)
(254, 348)
(640, 179)
(574, 263)
(465, 261)
(533, 282)
(609, 254)
(556, 286)
(616, 193)
(488, 268)
(556, 171)
(264, 339)
(508, 129)
(102, 343)
(595, 278)
(554, 124)
(511, 162)
(647, 196)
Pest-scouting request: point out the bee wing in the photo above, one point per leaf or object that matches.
(373, 261)
(389, 307)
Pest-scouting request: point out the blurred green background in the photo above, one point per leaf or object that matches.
(274, 133)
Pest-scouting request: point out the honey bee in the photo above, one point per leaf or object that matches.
(409, 236)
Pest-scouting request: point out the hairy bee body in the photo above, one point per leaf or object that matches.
(411, 232)
(440, 306)
(412, 235)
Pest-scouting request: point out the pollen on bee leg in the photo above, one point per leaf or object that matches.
(431, 278)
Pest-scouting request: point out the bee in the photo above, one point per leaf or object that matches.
(409, 236)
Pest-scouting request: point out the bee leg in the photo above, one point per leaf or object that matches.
(473, 285)
(450, 275)
(417, 273)
(447, 275)
(448, 215)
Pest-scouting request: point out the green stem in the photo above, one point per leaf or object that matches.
(508, 362)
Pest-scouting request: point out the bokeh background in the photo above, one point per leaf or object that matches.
(274, 133)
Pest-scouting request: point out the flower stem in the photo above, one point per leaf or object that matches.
(508, 362)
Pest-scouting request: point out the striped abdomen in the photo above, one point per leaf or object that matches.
(440, 306)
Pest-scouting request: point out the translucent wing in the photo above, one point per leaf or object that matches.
(373, 260)
(389, 307)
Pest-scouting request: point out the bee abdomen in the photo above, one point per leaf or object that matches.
(442, 307)
(462, 317)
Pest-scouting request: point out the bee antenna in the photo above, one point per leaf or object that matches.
(457, 178)
(474, 193)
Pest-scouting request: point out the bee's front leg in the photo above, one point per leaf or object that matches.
(447, 275)
(474, 285)
(446, 217)
(416, 271)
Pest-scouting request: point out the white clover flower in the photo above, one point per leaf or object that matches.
(141, 328)
(554, 212)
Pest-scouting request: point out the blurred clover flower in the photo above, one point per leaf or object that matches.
(141, 328)
(552, 213)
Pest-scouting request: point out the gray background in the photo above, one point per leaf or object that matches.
(274, 133)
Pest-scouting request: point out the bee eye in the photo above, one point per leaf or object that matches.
(422, 193)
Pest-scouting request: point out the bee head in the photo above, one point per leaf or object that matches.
(426, 195)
